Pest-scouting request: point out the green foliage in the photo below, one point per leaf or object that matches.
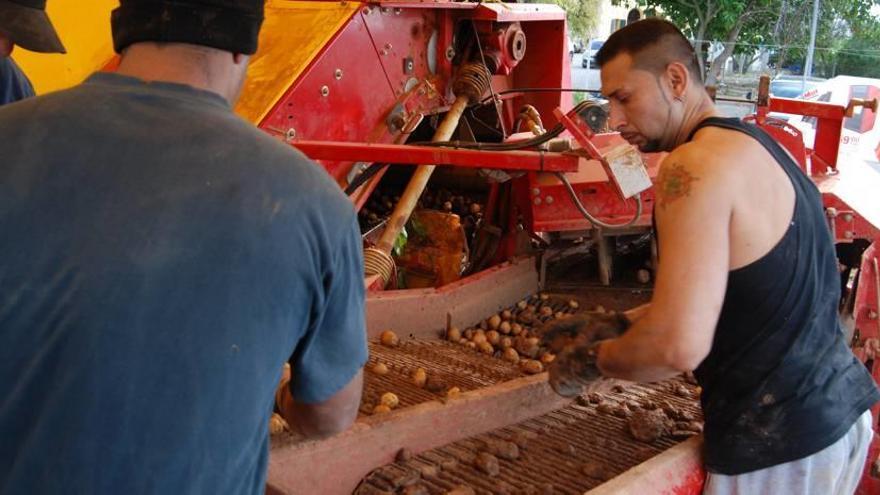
(860, 56)
(582, 15)
(847, 41)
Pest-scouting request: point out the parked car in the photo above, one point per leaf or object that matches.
(588, 61)
(786, 86)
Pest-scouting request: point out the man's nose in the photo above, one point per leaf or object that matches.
(616, 118)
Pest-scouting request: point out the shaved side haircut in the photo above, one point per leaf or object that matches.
(653, 44)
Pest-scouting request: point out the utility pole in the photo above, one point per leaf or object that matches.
(808, 66)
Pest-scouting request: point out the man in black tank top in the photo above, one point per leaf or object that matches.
(747, 286)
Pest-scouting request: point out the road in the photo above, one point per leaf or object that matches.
(583, 78)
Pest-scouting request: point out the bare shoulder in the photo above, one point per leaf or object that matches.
(684, 173)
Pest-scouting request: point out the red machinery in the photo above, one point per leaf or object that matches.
(350, 84)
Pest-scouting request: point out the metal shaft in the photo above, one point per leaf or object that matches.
(419, 180)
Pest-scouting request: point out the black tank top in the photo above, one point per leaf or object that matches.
(780, 382)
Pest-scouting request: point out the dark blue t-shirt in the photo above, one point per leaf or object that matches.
(161, 260)
(14, 85)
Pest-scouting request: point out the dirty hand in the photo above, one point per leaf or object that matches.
(575, 341)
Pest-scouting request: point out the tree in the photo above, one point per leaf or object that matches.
(732, 21)
(582, 15)
(711, 20)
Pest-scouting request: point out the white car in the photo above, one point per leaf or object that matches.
(588, 59)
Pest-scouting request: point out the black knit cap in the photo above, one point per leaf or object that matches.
(230, 25)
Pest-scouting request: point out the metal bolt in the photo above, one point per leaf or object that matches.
(450, 53)
(387, 46)
(537, 201)
(831, 212)
(536, 191)
(385, 10)
(397, 11)
(338, 74)
(848, 234)
(325, 91)
(872, 315)
(290, 134)
(847, 217)
(366, 11)
(548, 200)
(384, 52)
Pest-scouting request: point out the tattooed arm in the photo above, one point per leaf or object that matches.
(675, 332)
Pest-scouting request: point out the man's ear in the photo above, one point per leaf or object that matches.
(679, 78)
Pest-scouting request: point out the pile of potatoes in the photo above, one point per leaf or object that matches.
(468, 207)
(509, 335)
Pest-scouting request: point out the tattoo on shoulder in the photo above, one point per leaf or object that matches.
(673, 182)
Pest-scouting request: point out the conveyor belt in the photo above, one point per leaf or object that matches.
(453, 365)
(554, 449)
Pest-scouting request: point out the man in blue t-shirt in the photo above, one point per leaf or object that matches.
(162, 260)
(23, 23)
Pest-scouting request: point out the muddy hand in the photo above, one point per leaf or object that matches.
(575, 340)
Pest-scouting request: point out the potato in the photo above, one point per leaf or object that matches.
(389, 338)
(511, 355)
(648, 426)
(526, 318)
(544, 297)
(403, 455)
(515, 329)
(506, 315)
(453, 334)
(487, 463)
(419, 377)
(522, 305)
(471, 344)
(494, 321)
(486, 348)
(559, 314)
(429, 471)
(547, 357)
(453, 392)
(597, 470)
(493, 337)
(532, 367)
(389, 399)
(506, 342)
(505, 327)
(502, 449)
(435, 385)
(468, 334)
(381, 409)
(546, 311)
(599, 309)
(573, 304)
(479, 338)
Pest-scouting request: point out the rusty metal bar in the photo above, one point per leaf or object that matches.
(535, 161)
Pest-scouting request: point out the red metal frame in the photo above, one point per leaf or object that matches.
(829, 126)
(536, 161)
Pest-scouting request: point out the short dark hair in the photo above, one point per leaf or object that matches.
(653, 44)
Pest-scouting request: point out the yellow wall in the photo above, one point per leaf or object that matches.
(84, 28)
